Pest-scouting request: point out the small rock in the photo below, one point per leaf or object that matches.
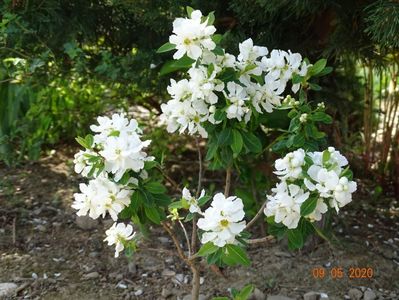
(311, 296)
(94, 254)
(179, 278)
(41, 228)
(138, 292)
(107, 223)
(121, 286)
(166, 292)
(282, 254)
(86, 223)
(163, 240)
(355, 294)
(202, 280)
(7, 289)
(91, 275)
(257, 294)
(34, 276)
(369, 295)
(168, 272)
(188, 297)
(132, 267)
(279, 297)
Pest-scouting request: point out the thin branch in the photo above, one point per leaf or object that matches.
(228, 182)
(256, 217)
(180, 251)
(194, 231)
(186, 236)
(265, 239)
(171, 181)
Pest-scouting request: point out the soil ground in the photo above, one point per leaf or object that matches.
(48, 256)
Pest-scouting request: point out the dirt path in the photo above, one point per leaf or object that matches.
(43, 250)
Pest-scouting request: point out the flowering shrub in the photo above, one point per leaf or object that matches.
(225, 99)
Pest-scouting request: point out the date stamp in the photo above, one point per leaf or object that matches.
(341, 272)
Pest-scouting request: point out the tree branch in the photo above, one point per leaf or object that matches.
(265, 239)
(228, 181)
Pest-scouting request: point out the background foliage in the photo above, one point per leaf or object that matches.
(64, 62)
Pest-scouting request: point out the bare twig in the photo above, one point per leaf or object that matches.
(186, 236)
(265, 239)
(228, 181)
(194, 231)
(256, 217)
(14, 229)
(171, 181)
(180, 251)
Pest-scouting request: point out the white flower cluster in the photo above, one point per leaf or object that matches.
(222, 221)
(195, 100)
(118, 148)
(313, 175)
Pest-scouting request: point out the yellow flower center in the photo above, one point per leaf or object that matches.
(224, 223)
(187, 41)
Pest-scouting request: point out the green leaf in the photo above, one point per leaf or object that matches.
(210, 69)
(296, 78)
(155, 187)
(152, 214)
(219, 114)
(314, 86)
(217, 38)
(183, 63)
(318, 67)
(189, 11)
(308, 206)
(245, 292)
(326, 156)
(203, 200)
(176, 204)
(252, 142)
(237, 144)
(207, 249)
(237, 255)
(212, 149)
(166, 47)
(211, 18)
(225, 136)
(320, 116)
(83, 142)
(299, 140)
(149, 164)
(295, 239)
(326, 70)
(89, 140)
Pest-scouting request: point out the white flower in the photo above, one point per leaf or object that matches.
(114, 126)
(119, 234)
(303, 118)
(192, 36)
(249, 52)
(82, 163)
(285, 204)
(290, 167)
(319, 210)
(222, 221)
(123, 152)
(326, 181)
(343, 193)
(99, 197)
(237, 97)
(194, 208)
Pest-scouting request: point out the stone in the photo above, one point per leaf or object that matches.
(166, 292)
(167, 272)
(279, 297)
(188, 297)
(257, 294)
(311, 296)
(86, 223)
(138, 292)
(7, 289)
(131, 267)
(355, 294)
(369, 295)
(92, 275)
